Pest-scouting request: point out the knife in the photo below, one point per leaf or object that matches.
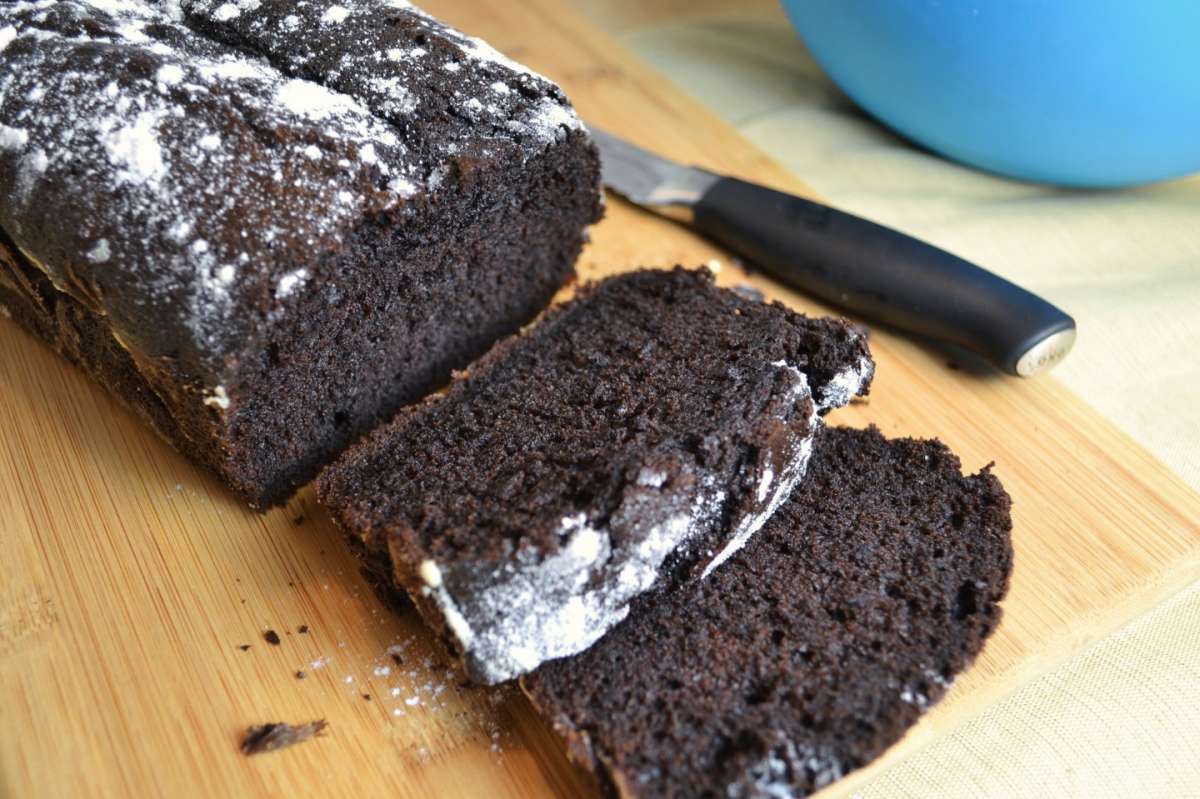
(848, 261)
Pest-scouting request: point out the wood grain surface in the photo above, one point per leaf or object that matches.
(130, 581)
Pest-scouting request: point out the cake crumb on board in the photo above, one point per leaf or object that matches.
(278, 735)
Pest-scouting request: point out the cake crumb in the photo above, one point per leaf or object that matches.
(243, 647)
(272, 637)
(302, 629)
(277, 735)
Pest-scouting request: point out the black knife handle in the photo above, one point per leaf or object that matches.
(883, 274)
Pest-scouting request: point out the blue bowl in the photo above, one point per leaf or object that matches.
(1094, 93)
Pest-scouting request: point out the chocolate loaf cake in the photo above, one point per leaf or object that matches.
(267, 225)
(643, 431)
(813, 649)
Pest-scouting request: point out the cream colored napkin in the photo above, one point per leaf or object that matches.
(1121, 719)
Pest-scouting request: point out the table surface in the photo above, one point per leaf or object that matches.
(131, 581)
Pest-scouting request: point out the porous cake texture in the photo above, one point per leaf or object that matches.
(813, 649)
(639, 434)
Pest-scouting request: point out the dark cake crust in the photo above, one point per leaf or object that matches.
(644, 430)
(816, 646)
(293, 219)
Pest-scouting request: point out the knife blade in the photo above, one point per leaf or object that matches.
(851, 262)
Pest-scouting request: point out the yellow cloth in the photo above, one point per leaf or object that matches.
(1121, 719)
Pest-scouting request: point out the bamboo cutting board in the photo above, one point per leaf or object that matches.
(131, 584)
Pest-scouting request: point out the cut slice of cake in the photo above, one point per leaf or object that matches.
(813, 649)
(644, 430)
(266, 226)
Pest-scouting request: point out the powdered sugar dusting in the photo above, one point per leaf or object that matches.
(100, 253)
(226, 11)
(845, 385)
(312, 99)
(535, 606)
(774, 489)
(785, 766)
(170, 74)
(381, 72)
(290, 282)
(12, 138)
(135, 149)
(162, 140)
(7, 34)
(168, 164)
(335, 14)
(30, 169)
(402, 186)
(532, 609)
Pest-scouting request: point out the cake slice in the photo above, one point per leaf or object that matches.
(813, 649)
(643, 431)
(267, 225)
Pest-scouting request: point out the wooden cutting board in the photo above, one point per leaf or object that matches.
(131, 583)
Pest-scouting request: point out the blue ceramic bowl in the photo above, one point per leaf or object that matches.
(1073, 92)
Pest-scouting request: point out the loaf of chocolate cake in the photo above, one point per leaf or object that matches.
(641, 433)
(813, 649)
(267, 225)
